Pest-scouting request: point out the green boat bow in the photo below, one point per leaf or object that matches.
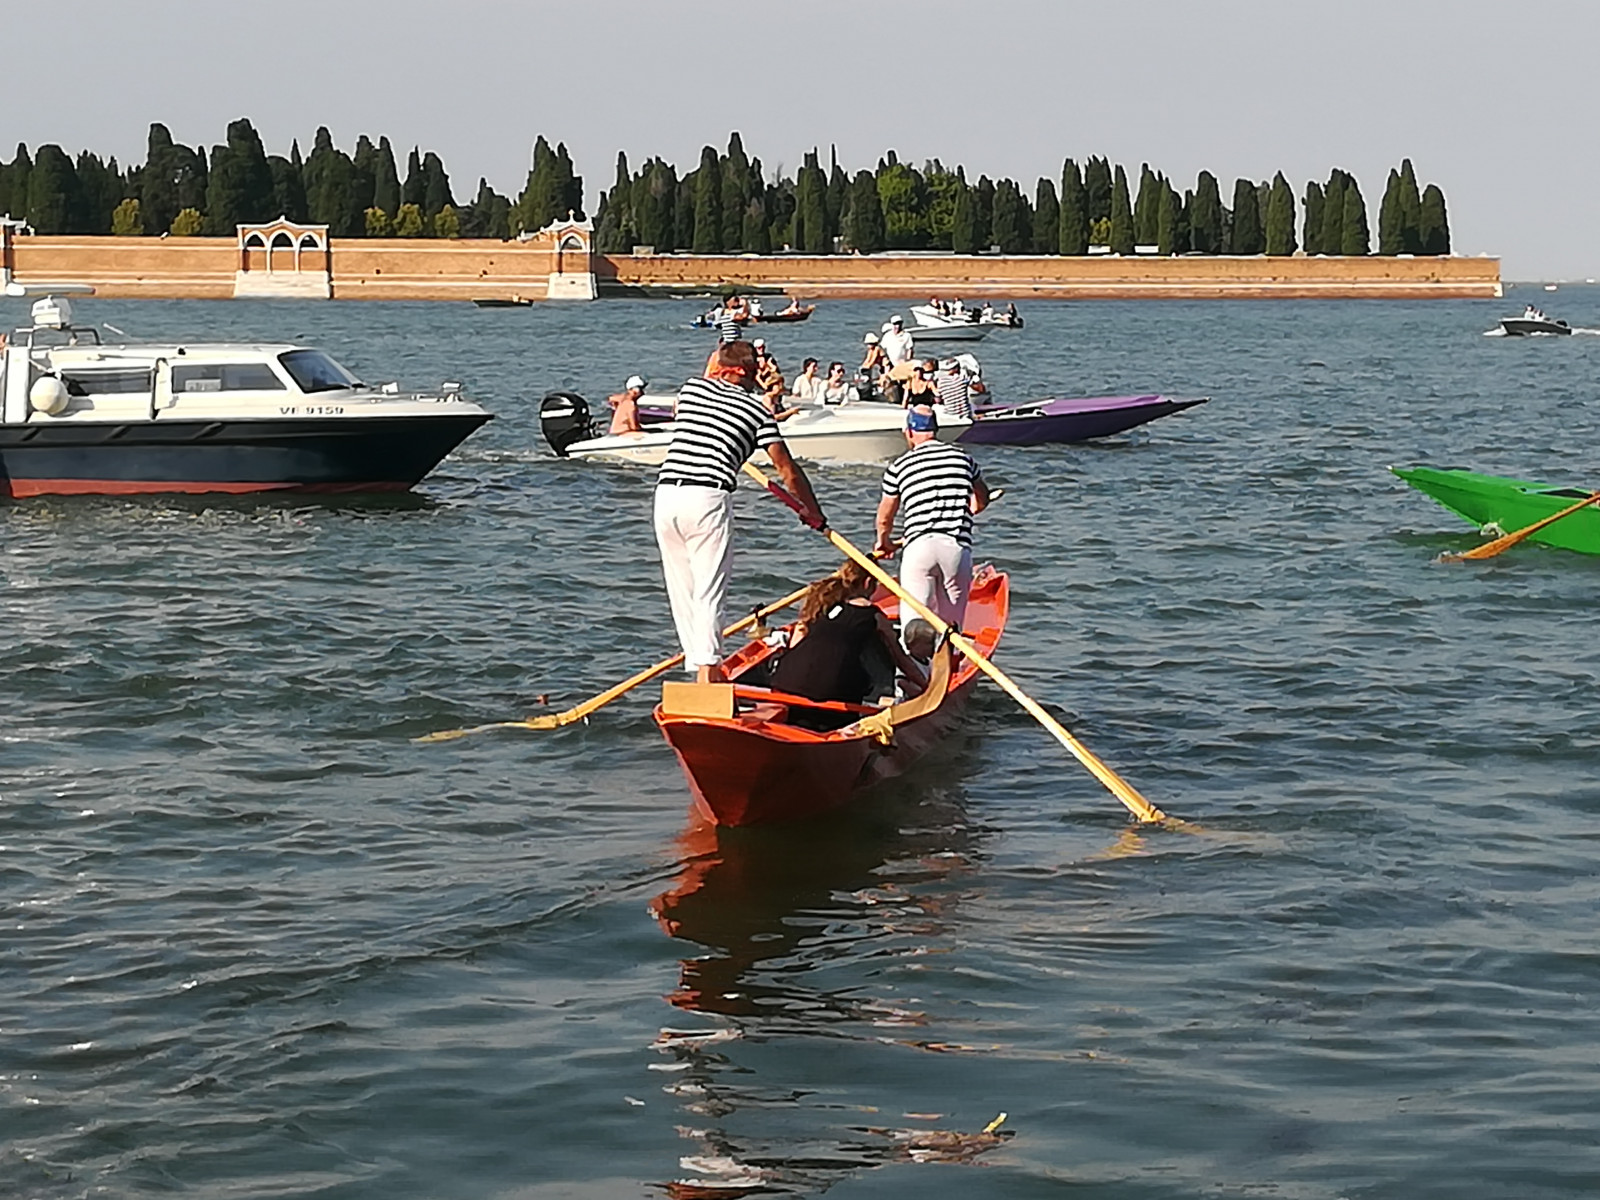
(1511, 504)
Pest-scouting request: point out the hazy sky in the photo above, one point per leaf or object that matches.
(1493, 109)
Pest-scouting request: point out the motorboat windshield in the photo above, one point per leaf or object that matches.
(314, 371)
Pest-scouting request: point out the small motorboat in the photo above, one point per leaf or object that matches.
(844, 433)
(81, 418)
(503, 302)
(1533, 323)
(783, 315)
(1041, 422)
(748, 761)
(928, 334)
(1497, 505)
(930, 316)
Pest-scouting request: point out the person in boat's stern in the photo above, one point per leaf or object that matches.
(720, 422)
(935, 488)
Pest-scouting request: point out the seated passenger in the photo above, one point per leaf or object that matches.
(626, 403)
(840, 647)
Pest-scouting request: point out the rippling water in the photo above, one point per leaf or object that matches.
(258, 943)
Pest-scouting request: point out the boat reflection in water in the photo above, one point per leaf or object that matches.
(796, 924)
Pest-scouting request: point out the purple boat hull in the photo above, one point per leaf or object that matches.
(1042, 422)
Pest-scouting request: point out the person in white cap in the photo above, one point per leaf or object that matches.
(625, 418)
(935, 488)
(897, 343)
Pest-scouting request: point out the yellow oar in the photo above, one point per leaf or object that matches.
(580, 711)
(1505, 542)
(1114, 783)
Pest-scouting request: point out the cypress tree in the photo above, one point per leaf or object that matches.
(756, 237)
(866, 227)
(1167, 211)
(364, 175)
(568, 188)
(838, 197)
(1313, 225)
(1013, 224)
(1122, 233)
(1046, 218)
(983, 211)
(1354, 237)
(1183, 241)
(52, 190)
(652, 214)
(436, 195)
(708, 204)
(1410, 210)
(614, 232)
(1433, 223)
(1205, 221)
(288, 189)
(535, 203)
(1147, 208)
(414, 190)
(1074, 232)
(158, 184)
(1391, 239)
(811, 199)
(385, 179)
(683, 213)
(779, 201)
(1279, 223)
(735, 180)
(21, 172)
(99, 192)
(1247, 233)
(330, 192)
(964, 223)
(1333, 212)
(239, 189)
(1097, 186)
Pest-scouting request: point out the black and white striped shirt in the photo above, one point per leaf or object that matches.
(718, 426)
(727, 327)
(934, 482)
(955, 395)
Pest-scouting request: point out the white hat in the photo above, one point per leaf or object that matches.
(636, 381)
(871, 339)
(759, 342)
(896, 320)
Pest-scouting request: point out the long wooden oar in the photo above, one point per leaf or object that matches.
(1114, 783)
(1501, 544)
(579, 711)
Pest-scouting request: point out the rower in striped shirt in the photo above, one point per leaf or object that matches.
(720, 421)
(935, 488)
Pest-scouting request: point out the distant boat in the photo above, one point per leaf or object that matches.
(502, 302)
(787, 314)
(1499, 505)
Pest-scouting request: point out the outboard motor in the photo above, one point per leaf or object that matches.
(564, 418)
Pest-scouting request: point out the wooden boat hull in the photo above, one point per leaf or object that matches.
(786, 318)
(750, 771)
(1045, 422)
(1510, 504)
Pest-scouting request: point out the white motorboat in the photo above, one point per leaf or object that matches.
(1532, 322)
(929, 316)
(844, 433)
(78, 417)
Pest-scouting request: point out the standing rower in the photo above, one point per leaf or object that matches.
(936, 488)
(720, 422)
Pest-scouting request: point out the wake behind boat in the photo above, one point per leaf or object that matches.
(1498, 505)
(748, 762)
(78, 417)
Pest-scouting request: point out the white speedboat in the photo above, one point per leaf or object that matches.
(1532, 322)
(844, 433)
(929, 316)
(78, 417)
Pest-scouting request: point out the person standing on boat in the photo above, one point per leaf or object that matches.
(935, 488)
(897, 343)
(720, 423)
(955, 393)
(625, 417)
(875, 363)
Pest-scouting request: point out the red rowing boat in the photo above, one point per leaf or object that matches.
(748, 763)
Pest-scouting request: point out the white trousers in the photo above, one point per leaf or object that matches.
(937, 570)
(694, 529)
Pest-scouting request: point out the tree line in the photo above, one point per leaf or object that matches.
(727, 204)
